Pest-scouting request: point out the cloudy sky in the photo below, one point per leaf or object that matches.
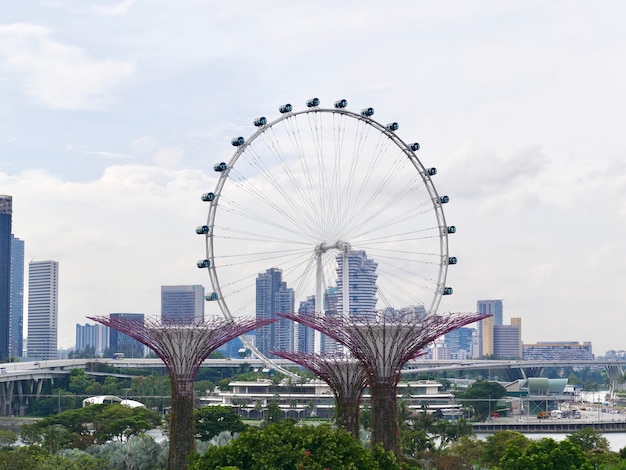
(113, 113)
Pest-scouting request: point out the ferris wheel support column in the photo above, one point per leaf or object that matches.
(319, 304)
(346, 283)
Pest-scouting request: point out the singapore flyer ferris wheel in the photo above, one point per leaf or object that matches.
(333, 206)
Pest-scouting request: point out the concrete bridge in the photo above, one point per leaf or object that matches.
(22, 382)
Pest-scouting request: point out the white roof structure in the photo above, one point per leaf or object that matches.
(100, 399)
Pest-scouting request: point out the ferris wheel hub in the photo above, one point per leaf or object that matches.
(342, 246)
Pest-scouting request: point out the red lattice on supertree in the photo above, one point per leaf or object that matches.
(182, 346)
(383, 344)
(344, 375)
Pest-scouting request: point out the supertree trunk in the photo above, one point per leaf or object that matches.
(182, 424)
(344, 375)
(383, 404)
(347, 415)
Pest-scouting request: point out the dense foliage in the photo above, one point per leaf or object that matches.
(95, 424)
(286, 446)
(481, 396)
(212, 420)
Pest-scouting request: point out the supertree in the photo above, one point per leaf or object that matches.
(182, 347)
(344, 375)
(383, 344)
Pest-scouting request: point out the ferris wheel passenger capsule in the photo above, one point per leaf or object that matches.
(260, 122)
(339, 104)
(313, 102)
(220, 167)
(432, 171)
(452, 260)
(211, 296)
(208, 197)
(451, 229)
(237, 141)
(202, 229)
(203, 263)
(444, 199)
(415, 146)
(447, 291)
(367, 112)
(392, 126)
(286, 108)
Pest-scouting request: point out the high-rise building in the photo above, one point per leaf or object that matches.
(459, 340)
(43, 285)
(121, 342)
(485, 338)
(329, 345)
(507, 342)
(274, 297)
(6, 211)
(362, 283)
(182, 304)
(306, 334)
(95, 336)
(16, 310)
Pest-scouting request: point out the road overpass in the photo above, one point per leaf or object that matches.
(20, 382)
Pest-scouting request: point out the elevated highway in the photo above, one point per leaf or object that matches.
(20, 382)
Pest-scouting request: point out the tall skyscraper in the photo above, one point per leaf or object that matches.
(459, 340)
(95, 336)
(182, 304)
(362, 283)
(306, 334)
(485, 338)
(6, 211)
(16, 310)
(274, 297)
(507, 341)
(493, 307)
(122, 343)
(43, 283)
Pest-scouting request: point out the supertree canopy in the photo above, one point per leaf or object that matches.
(344, 375)
(384, 344)
(182, 346)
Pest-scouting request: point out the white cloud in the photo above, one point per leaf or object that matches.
(168, 157)
(115, 10)
(117, 238)
(58, 75)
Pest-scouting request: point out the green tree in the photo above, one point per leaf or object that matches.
(481, 396)
(212, 420)
(546, 454)
(203, 387)
(416, 443)
(449, 431)
(273, 414)
(153, 390)
(496, 445)
(23, 458)
(7, 438)
(79, 381)
(595, 446)
(284, 446)
(470, 448)
(138, 453)
(94, 424)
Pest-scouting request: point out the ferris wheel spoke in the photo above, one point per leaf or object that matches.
(313, 190)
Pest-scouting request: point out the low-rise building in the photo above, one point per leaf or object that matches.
(558, 351)
(315, 398)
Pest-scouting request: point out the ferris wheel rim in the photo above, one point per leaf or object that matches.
(395, 139)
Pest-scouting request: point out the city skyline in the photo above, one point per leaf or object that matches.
(107, 152)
